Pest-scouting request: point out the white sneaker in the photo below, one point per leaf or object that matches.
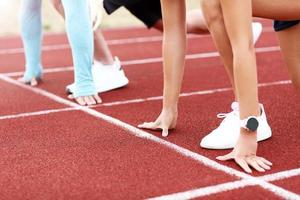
(106, 77)
(226, 135)
(256, 31)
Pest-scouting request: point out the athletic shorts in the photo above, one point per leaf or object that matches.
(282, 25)
(148, 11)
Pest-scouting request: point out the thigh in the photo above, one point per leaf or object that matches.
(277, 9)
(289, 41)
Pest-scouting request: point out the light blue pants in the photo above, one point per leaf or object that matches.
(31, 32)
(80, 35)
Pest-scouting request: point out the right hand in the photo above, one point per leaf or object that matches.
(244, 154)
(166, 120)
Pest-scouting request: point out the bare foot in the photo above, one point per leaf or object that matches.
(166, 121)
(87, 100)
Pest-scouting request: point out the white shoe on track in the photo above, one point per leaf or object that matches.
(106, 77)
(226, 135)
(256, 31)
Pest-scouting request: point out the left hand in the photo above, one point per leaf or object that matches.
(244, 154)
(33, 82)
(87, 100)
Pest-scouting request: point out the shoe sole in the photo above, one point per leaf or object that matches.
(269, 135)
(115, 86)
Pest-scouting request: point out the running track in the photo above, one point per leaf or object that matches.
(51, 148)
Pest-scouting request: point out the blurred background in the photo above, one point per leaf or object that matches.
(52, 22)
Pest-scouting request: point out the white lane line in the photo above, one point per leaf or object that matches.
(37, 113)
(148, 61)
(214, 189)
(145, 135)
(140, 100)
(109, 42)
(187, 94)
(281, 175)
(45, 71)
(205, 191)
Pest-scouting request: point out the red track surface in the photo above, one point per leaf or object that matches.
(73, 155)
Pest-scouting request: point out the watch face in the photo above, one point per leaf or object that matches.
(252, 124)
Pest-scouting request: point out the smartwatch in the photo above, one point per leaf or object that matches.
(250, 124)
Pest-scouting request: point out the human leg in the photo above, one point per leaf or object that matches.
(31, 32)
(80, 35)
(289, 42)
(174, 46)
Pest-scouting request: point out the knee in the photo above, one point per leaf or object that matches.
(212, 12)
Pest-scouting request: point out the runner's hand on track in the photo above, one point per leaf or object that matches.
(87, 100)
(244, 154)
(166, 120)
(32, 82)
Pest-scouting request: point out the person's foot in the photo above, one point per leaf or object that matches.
(227, 134)
(256, 30)
(106, 77)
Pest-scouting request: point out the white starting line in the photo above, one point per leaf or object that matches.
(145, 135)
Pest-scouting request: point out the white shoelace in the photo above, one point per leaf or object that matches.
(227, 116)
